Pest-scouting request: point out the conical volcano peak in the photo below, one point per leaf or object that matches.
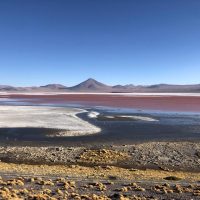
(91, 84)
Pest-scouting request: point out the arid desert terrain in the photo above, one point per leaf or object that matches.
(99, 146)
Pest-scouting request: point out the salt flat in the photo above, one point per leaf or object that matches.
(156, 94)
(64, 119)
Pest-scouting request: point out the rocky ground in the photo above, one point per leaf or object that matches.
(61, 188)
(169, 156)
(94, 183)
(153, 170)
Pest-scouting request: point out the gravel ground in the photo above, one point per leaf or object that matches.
(15, 187)
(167, 156)
(101, 172)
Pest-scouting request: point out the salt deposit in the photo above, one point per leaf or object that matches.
(141, 118)
(93, 114)
(64, 119)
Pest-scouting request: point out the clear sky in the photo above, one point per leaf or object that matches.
(113, 41)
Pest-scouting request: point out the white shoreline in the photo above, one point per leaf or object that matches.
(64, 119)
(95, 115)
(93, 93)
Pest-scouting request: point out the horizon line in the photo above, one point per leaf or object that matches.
(57, 83)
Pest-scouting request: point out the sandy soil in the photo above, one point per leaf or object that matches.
(63, 119)
(161, 102)
(94, 183)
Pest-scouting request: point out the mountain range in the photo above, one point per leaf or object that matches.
(92, 85)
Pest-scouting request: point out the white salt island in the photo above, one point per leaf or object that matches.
(63, 119)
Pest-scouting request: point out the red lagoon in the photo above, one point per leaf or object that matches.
(149, 102)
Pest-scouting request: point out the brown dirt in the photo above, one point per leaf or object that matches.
(45, 182)
(95, 172)
(103, 156)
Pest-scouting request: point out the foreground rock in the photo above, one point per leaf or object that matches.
(157, 155)
(102, 180)
(52, 188)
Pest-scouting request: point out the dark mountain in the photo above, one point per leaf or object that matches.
(130, 86)
(119, 87)
(54, 86)
(50, 87)
(7, 88)
(173, 88)
(159, 86)
(124, 88)
(165, 88)
(92, 86)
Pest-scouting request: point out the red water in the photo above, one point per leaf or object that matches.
(165, 103)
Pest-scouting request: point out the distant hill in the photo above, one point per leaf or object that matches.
(54, 86)
(174, 88)
(7, 88)
(91, 85)
(165, 88)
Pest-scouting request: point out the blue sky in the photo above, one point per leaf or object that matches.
(113, 41)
